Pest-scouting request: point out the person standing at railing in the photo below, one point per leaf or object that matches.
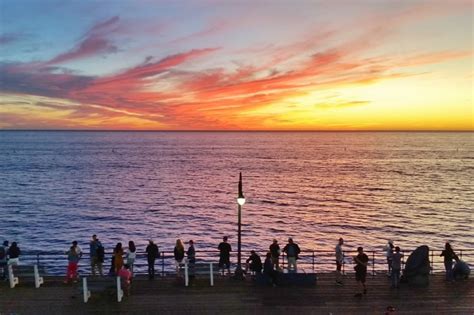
(126, 278)
(275, 252)
(339, 261)
(94, 249)
(4, 259)
(178, 256)
(74, 254)
(152, 252)
(269, 271)
(13, 254)
(118, 257)
(191, 255)
(388, 253)
(449, 255)
(360, 268)
(131, 255)
(292, 251)
(224, 255)
(396, 267)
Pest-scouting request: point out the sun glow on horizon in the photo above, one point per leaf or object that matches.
(244, 66)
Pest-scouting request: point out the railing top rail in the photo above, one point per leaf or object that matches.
(215, 251)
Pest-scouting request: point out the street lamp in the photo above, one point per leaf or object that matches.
(239, 274)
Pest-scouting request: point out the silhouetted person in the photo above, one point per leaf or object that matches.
(74, 254)
(4, 259)
(461, 270)
(125, 275)
(224, 255)
(253, 263)
(292, 251)
(269, 271)
(178, 255)
(361, 261)
(131, 255)
(118, 257)
(396, 267)
(388, 254)
(191, 254)
(152, 253)
(449, 256)
(275, 252)
(13, 253)
(95, 254)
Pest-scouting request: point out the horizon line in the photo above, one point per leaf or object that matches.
(238, 130)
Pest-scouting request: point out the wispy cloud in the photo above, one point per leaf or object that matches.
(185, 88)
(10, 38)
(93, 42)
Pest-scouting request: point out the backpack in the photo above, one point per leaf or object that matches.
(100, 253)
(3, 253)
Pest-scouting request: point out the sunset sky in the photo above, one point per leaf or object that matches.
(237, 65)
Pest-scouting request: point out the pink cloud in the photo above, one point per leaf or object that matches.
(214, 98)
(132, 77)
(93, 43)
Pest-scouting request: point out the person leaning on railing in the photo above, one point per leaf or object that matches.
(74, 254)
(131, 255)
(292, 251)
(96, 250)
(449, 256)
(13, 254)
(178, 254)
(152, 252)
(275, 254)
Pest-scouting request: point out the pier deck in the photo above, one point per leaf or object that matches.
(168, 296)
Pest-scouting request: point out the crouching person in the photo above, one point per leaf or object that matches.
(253, 263)
(125, 278)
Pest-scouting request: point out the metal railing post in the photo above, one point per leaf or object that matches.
(162, 264)
(432, 262)
(186, 274)
(373, 263)
(343, 264)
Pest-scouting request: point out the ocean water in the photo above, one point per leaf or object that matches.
(415, 188)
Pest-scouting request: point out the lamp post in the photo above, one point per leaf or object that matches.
(239, 274)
